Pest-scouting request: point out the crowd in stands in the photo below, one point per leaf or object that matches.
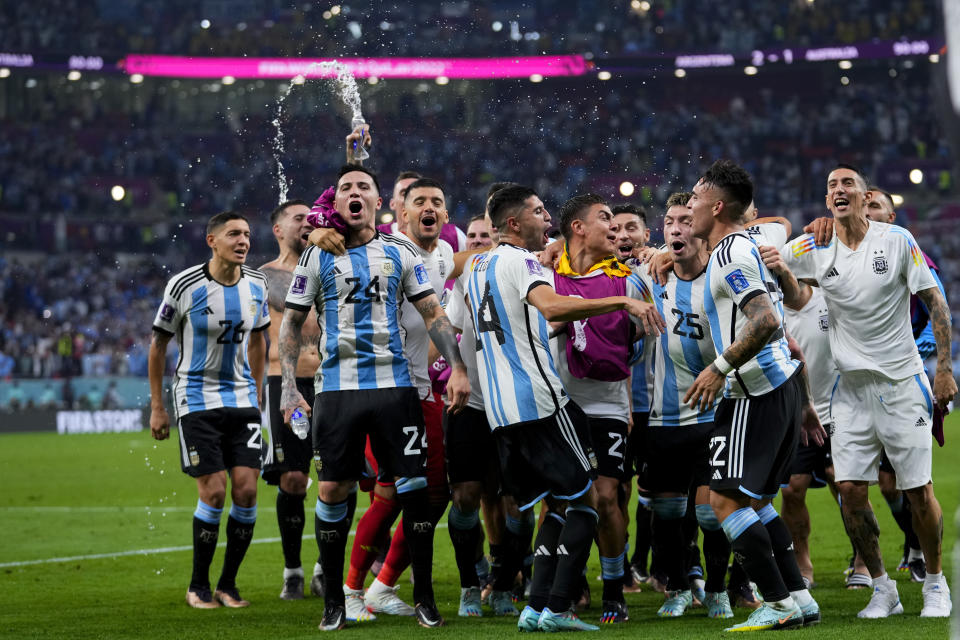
(178, 166)
(368, 28)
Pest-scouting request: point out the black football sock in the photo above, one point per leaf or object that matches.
(418, 527)
(545, 560)
(573, 549)
(239, 534)
(644, 518)
(751, 545)
(465, 534)
(290, 519)
(782, 543)
(903, 515)
(716, 548)
(206, 530)
(669, 542)
(511, 554)
(332, 528)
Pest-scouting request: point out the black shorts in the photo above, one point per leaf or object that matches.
(813, 460)
(219, 439)
(678, 458)
(471, 450)
(548, 456)
(610, 444)
(885, 465)
(283, 451)
(635, 456)
(392, 418)
(754, 440)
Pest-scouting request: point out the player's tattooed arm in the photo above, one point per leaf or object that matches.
(944, 385)
(762, 323)
(796, 294)
(444, 336)
(156, 363)
(288, 346)
(278, 283)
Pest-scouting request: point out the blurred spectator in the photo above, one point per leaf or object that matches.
(48, 398)
(112, 399)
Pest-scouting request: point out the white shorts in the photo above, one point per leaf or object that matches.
(872, 414)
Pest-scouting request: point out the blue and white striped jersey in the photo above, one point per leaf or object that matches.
(517, 374)
(682, 351)
(212, 325)
(735, 274)
(357, 297)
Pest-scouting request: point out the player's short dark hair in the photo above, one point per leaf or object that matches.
(886, 194)
(475, 218)
(629, 207)
(222, 218)
(855, 169)
(347, 168)
(506, 201)
(497, 186)
(406, 175)
(282, 208)
(735, 183)
(575, 209)
(424, 183)
(679, 199)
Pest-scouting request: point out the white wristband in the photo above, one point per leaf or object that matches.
(722, 364)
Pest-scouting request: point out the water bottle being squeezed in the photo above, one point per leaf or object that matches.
(359, 151)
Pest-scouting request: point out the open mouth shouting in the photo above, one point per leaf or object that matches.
(428, 222)
(677, 246)
(841, 204)
(356, 209)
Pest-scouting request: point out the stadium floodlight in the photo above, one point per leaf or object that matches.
(335, 9)
(117, 192)
(204, 24)
(750, 70)
(644, 5)
(136, 78)
(934, 58)
(228, 80)
(4, 72)
(497, 25)
(916, 176)
(373, 80)
(897, 199)
(73, 75)
(442, 80)
(845, 64)
(536, 78)
(844, 80)
(680, 73)
(386, 218)
(626, 188)
(604, 75)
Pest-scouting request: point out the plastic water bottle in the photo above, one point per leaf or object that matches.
(359, 151)
(299, 423)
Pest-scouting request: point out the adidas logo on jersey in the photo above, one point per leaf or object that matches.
(663, 295)
(562, 551)
(921, 422)
(207, 311)
(833, 273)
(716, 475)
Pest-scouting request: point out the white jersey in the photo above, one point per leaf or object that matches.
(735, 274)
(517, 374)
(212, 324)
(461, 318)
(868, 294)
(599, 398)
(416, 342)
(681, 352)
(771, 234)
(810, 327)
(357, 297)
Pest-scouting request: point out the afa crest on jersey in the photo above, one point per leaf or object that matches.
(879, 264)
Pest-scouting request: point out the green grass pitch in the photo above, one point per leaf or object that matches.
(67, 498)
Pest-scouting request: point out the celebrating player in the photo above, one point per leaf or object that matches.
(882, 399)
(542, 437)
(758, 419)
(363, 384)
(217, 311)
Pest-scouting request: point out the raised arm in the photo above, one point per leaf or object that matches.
(156, 363)
(288, 347)
(944, 385)
(444, 337)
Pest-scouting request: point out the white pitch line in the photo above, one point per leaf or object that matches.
(143, 552)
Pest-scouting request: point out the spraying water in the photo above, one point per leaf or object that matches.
(346, 88)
